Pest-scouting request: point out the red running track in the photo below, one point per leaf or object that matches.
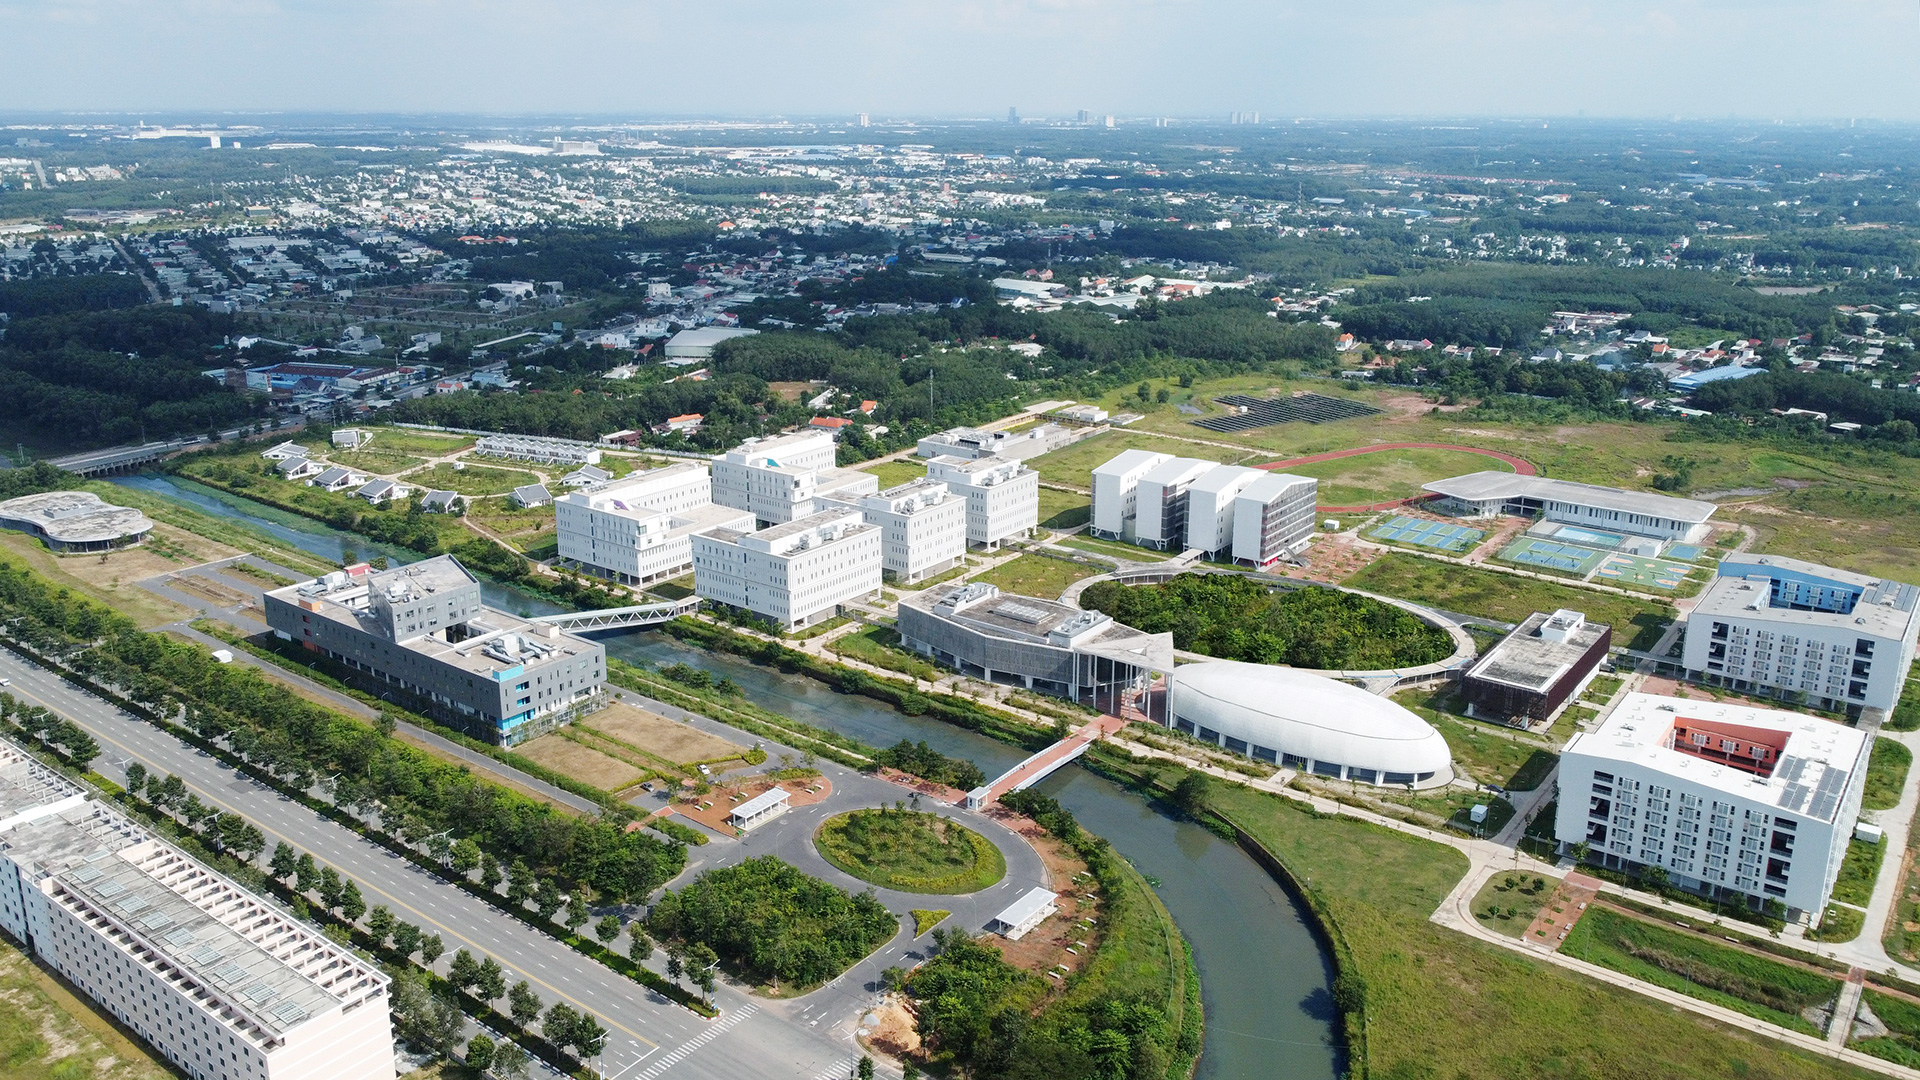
(1520, 465)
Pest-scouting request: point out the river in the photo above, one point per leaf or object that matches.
(1265, 981)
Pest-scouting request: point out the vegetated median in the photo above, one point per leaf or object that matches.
(910, 851)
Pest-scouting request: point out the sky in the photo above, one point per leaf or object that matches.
(639, 59)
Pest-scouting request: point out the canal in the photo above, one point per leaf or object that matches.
(1265, 981)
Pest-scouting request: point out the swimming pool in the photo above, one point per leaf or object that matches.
(1577, 535)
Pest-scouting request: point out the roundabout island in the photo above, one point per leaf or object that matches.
(910, 851)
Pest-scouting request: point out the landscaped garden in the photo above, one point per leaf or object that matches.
(1508, 902)
(1239, 618)
(910, 851)
(1036, 575)
(1508, 597)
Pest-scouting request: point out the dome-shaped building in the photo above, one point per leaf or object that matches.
(1294, 718)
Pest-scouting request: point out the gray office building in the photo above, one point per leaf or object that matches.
(422, 630)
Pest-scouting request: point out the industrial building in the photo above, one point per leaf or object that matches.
(640, 529)
(1002, 496)
(223, 984)
(973, 443)
(1729, 800)
(782, 478)
(1295, 719)
(70, 521)
(1828, 638)
(1642, 513)
(1025, 915)
(794, 574)
(422, 630)
(1537, 668)
(1044, 645)
(1165, 502)
(690, 346)
(923, 528)
(538, 449)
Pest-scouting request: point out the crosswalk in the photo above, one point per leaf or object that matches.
(839, 1070)
(685, 1050)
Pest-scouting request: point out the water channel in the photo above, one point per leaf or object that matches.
(1264, 979)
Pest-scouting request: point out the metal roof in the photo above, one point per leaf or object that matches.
(1491, 484)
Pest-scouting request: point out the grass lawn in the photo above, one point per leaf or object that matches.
(1116, 549)
(879, 646)
(1443, 1006)
(423, 443)
(1074, 465)
(1886, 774)
(895, 473)
(925, 919)
(376, 460)
(1390, 474)
(1858, 871)
(1490, 755)
(582, 763)
(524, 527)
(113, 577)
(1494, 595)
(1509, 901)
(48, 1031)
(910, 851)
(1036, 575)
(1902, 1017)
(1762, 988)
(1838, 924)
(1064, 509)
(472, 480)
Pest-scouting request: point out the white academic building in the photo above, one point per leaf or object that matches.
(640, 529)
(923, 528)
(1727, 799)
(1172, 503)
(1791, 629)
(1641, 513)
(1002, 496)
(782, 478)
(223, 984)
(795, 574)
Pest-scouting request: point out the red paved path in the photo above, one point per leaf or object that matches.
(1520, 465)
(1047, 758)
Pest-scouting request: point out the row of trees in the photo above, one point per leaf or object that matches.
(927, 763)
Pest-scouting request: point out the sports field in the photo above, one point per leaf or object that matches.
(1632, 570)
(1551, 555)
(1439, 536)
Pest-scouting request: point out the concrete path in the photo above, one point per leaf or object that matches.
(1840, 1027)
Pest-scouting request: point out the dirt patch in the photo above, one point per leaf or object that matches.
(1064, 942)
(587, 765)
(654, 734)
(712, 808)
(790, 391)
(211, 590)
(893, 1029)
(1561, 911)
(1667, 687)
(925, 788)
(1334, 558)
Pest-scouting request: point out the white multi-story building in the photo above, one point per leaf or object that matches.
(1003, 497)
(1161, 501)
(973, 443)
(783, 478)
(640, 529)
(795, 574)
(923, 528)
(222, 983)
(1210, 509)
(1273, 517)
(1116, 492)
(1779, 626)
(1727, 799)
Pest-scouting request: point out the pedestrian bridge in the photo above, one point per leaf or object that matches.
(621, 618)
(1045, 762)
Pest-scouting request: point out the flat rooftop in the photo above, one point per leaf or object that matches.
(1528, 660)
(75, 517)
(1492, 484)
(1038, 621)
(1815, 763)
(1885, 608)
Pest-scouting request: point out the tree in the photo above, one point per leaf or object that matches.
(676, 962)
(520, 883)
(523, 1004)
(865, 1069)
(466, 856)
(546, 899)
(480, 1053)
(380, 925)
(194, 811)
(1162, 395)
(464, 971)
(305, 874)
(490, 981)
(509, 1060)
(607, 929)
(430, 949)
(588, 1036)
(639, 945)
(1191, 793)
(332, 892)
(406, 939)
(489, 871)
(1143, 392)
(910, 1071)
(282, 862)
(352, 906)
(136, 777)
(560, 1024)
(577, 913)
(700, 962)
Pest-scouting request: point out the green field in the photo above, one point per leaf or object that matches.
(910, 851)
(1508, 902)
(880, 646)
(1366, 479)
(472, 480)
(1886, 774)
(422, 443)
(1073, 465)
(1132, 552)
(46, 1031)
(1858, 871)
(1064, 509)
(1036, 575)
(1493, 595)
(894, 473)
(1493, 757)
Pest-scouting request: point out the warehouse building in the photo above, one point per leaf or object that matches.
(1537, 668)
(1044, 645)
(422, 630)
(72, 521)
(795, 574)
(1829, 638)
(640, 529)
(782, 478)
(1002, 497)
(223, 984)
(1642, 513)
(923, 528)
(1731, 801)
(698, 343)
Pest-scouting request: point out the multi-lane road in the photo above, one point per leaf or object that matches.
(649, 1037)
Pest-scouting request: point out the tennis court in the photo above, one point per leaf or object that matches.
(1438, 535)
(1645, 573)
(1551, 555)
(1683, 552)
(1574, 534)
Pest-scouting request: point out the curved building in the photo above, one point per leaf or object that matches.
(1294, 718)
(75, 520)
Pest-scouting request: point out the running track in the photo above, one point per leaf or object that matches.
(1519, 465)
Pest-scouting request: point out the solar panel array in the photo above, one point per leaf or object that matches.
(1265, 412)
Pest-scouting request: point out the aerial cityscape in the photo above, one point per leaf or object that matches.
(896, 553)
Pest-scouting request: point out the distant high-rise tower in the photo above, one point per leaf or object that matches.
(1013, 115)
(862, 121)
(1085, 116)
(1109, 119)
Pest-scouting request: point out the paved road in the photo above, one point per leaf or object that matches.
(752, 1039)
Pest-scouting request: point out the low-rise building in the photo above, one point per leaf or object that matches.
(640, 529)
(222, 983)
(974, 443)
(1003, 497)
(795, 574)
(1797, 630)
(1642, 513)
(692, 346)
(538, 449)
(923, 528)
(71, 521)
(422, 630)
(1730, 800)
(1537, 668)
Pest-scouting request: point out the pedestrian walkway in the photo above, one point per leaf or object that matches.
(1046, 762)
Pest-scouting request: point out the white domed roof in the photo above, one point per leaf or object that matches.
(1310, 716)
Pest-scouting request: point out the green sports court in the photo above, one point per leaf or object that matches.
(1418, 532)
(1551, 555)
(1634, 570)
